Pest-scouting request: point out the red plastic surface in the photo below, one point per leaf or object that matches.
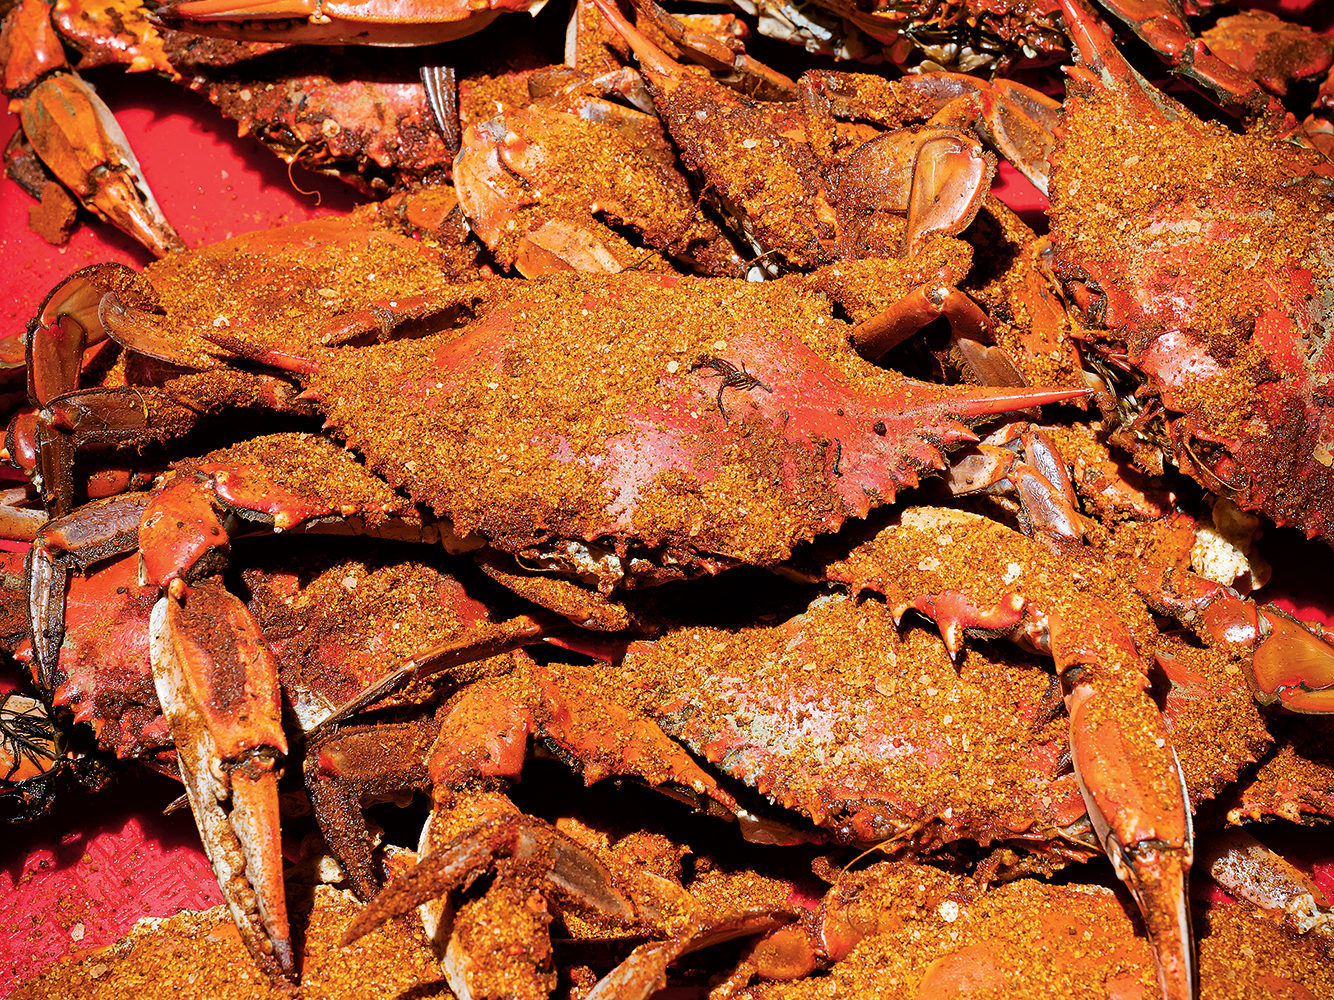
(84, 875)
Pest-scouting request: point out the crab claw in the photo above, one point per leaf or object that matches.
(1292, 665)
(1170, 38)
(338, 22)
(1291, 662)
(76, 136)
(1160, 25)
(1150, 847)
(66, 325)
(218, 684)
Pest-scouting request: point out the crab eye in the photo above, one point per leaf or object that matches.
(1088, 298)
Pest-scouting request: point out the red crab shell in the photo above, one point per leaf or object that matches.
(655, 416)
(1204, 264)
(105, 676)
(876, 737)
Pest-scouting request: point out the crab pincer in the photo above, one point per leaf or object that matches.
(77, 137)
(1285, 661)
(218, 685)
(73, 131)
(1161, 26)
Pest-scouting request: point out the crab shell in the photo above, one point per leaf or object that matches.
(1203, 261)
(876, 737)
(612, 428)
(655, 419)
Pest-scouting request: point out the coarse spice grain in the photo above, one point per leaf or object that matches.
(199, 956)
(933, 935)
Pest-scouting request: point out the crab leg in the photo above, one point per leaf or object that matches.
(29, 747)
(1021, 459)
(215, 676)
(67, 324)
(1161, 26)
(880, 334)
(711, 52)
(41, 442)
(528, 852)
(101, 529)
(530, 842)
(217, 681)
(345, 762)
(1286, 661)
(339, 22)
(481, 738)
(1149, 840)
(353, 760)
(485, 731)
(20, 524)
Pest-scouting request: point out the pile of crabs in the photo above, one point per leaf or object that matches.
(874, 564)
